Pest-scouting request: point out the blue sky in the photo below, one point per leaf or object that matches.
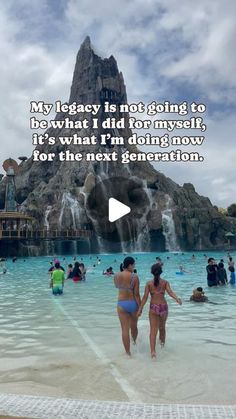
(166, 50)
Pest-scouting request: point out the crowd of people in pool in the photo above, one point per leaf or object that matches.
(130, 304)
(57, 275)
(217, 274)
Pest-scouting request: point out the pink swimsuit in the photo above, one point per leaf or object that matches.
(159, 309)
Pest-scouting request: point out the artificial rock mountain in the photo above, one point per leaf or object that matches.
(56, 194)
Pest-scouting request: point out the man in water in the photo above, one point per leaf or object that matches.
(211, 269)
(57, 280)
(221, 274)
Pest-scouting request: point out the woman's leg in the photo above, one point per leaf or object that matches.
(162, 328)
(154, 325)
(125, 326)
(134, 327)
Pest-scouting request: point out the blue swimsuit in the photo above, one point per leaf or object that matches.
(130, 306)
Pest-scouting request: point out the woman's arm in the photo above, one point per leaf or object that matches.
(172, 294)
(114, 279)
(136, 291)
(144, 300)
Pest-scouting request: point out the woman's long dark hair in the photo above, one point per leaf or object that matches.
(76, 270)
(128, 261)
(156, 272)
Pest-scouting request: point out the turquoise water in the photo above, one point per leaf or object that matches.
(51, 344)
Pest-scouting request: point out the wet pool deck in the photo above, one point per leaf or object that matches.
(51, 407)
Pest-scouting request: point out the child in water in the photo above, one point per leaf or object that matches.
(109, 271)
(158, 311)
(70, 271)
(57, 280)
(198, 296)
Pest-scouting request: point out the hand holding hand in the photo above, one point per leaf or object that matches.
(139, 312)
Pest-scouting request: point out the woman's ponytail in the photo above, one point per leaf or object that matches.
(156, 271)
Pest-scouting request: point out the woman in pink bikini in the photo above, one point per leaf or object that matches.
(158, 312)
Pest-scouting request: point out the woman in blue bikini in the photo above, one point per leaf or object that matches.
(128, 301)
(158, 312)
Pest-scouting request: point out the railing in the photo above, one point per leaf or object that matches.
(44, 234)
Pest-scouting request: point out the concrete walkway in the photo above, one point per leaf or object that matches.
(59, 408)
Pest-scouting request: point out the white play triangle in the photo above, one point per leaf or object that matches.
(117, 210)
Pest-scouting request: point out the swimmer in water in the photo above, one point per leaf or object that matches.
(181, 268)
(109, 271)
(128, 301)
(83, 271)
(232, 275)
(198, 296)
(53, 266)
(57, 280)
(159, 261)
(70, 271)
(76, 273)
(158, 312)
(221, 274)
(230, 262)
(3, 267)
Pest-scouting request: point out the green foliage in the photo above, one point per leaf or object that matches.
(231, 210)
(223, 211)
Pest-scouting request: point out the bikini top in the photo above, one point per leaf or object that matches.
(160, 289)
(131, 284)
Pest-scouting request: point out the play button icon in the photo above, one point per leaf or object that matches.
(115, 207)
(117, 210)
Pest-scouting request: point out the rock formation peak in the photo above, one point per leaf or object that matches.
(95, 77)
(168, 217)
(86, 43)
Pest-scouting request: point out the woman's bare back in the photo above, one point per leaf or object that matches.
(157, 293)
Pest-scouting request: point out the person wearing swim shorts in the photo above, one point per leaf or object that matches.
(158, 312)
(57, 280)
(128, 301)
(232, 275)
